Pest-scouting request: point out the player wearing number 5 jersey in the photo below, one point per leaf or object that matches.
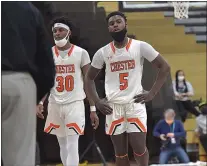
(124, 104)
(66, 111)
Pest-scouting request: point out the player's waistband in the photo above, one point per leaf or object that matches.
(71, 102)
(120, 101)
(55, 100)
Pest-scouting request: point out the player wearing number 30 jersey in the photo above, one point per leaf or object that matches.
(66, 111)
(69, 79)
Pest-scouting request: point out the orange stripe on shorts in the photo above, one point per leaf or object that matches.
(114, 124)
(47, 130)
(138, 122)
(75, 127)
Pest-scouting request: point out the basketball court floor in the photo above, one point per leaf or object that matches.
(87, 164)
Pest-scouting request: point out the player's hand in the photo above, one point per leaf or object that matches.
(104, 107)
(171, 135)
(39, 111)
(94, 120)
(162, 137)
(143, 97)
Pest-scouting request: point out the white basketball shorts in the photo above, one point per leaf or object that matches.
(65, 119)
(126, 118)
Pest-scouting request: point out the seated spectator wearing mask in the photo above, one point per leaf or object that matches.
(170, 131)
(183, 90)
(201, 121)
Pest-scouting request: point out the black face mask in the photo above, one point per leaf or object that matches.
(119, 36)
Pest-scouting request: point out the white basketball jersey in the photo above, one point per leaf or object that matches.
(69, 78)
(124, 68)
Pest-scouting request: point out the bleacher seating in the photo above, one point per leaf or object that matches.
(191, 21)
(200, 30)
(195, 24)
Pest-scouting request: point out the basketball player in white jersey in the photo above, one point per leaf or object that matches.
(66, 111)
(124, 104)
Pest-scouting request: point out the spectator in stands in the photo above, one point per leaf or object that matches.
(201, 121)
(183, 90)
(170, 131)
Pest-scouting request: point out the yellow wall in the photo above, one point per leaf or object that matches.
(194, 66)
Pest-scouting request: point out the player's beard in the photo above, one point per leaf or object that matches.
(119, 36)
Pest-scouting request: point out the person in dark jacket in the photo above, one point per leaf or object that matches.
(28, 73)
(170, 131)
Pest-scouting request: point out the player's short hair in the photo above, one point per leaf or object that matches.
(62, 19)
(116, 13)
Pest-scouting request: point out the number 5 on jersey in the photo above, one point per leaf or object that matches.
(65, 83)
(123, 78)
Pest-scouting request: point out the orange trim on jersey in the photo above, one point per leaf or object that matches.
(138, 123)
(128, 44)
(71, 50)
(112, 47)
(75, 127)
(51, 126)
(56, 51)
(114, 124)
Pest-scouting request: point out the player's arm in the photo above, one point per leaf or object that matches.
(43, 100)
(101, 104)
(84, 71)
(90, 84)
(85, 63)
(93, 71)
(40, 108)
(163, 71)
(148, 52)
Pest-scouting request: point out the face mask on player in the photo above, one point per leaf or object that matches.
(119, 36)
(62, 42)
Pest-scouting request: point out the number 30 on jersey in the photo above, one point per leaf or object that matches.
(65, 83)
